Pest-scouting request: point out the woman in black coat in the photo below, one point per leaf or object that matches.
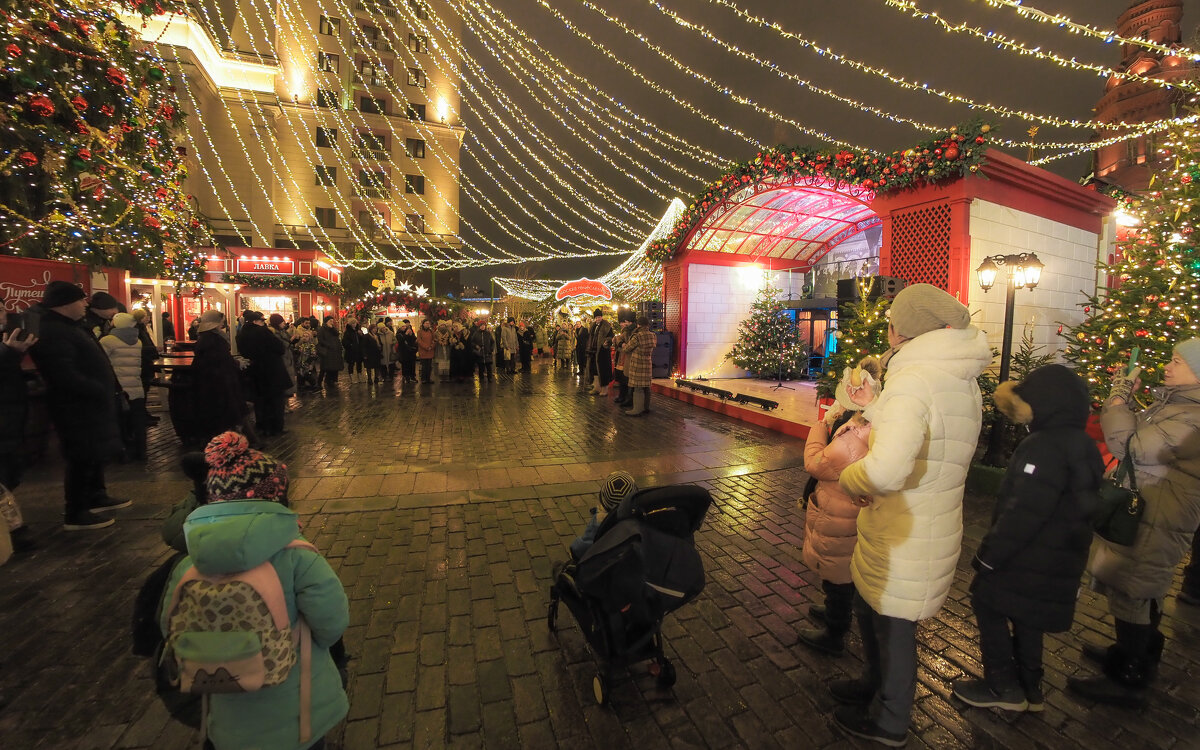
(525, 339)
(1030, 562)
(372, 355)
(267, 375)
(329, 352)
(352, 346)
(581, 347)
(218, 402)
(406, 350)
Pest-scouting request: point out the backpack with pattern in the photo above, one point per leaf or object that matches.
(231, 633)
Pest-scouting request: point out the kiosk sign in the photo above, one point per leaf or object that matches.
(282, 266)
(584, 287)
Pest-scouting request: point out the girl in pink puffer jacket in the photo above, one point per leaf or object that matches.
(831, 523)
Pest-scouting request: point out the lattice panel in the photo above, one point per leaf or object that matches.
(672, 304)
(920, 249)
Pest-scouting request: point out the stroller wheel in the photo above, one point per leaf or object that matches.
(600, 689)
(666, 674)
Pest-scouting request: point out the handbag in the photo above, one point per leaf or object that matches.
(1119, 508)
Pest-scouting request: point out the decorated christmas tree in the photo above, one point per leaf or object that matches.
(862, 330)
(88, 168)
(1153, 299)
(768, 342)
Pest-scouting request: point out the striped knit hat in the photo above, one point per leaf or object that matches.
(238, 472)
(617, 486)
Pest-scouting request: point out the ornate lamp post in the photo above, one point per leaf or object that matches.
(1024, 271)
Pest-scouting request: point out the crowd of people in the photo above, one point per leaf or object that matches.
(883, 524)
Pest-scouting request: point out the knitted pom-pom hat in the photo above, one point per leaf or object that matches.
(238, 472)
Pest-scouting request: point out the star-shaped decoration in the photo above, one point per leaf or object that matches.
(404, 286)
(421, 291)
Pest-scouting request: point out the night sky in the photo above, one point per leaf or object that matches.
(868, 30)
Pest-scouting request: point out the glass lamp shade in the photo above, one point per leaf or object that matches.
(987, 273)
(1033, 271)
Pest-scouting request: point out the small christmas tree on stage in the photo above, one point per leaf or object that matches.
(768, 341)
(1154, 295)
(88, 167)
(862, 330)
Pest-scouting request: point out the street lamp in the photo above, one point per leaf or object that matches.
(1025, 271)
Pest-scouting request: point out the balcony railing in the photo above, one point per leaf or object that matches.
(372, 191)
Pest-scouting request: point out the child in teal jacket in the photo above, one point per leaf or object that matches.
(242, 526)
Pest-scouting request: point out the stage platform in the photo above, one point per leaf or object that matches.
(796, 412)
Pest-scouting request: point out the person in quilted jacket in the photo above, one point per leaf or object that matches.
(924, 428)
(1164, 442)
(831, 523)
(246, 522)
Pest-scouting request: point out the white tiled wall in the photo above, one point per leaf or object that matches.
(719, 298)
(1069, 255)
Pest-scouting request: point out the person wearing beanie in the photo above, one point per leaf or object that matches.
(600, 348)
(245, 523)
(267, 375)
(482, 345)
(616, 487)
(1161, 441)
(141, 321)
(1028, 566)
(509, 345)
(81, 397)
(124, 351)
(329, 352)
(925, 425)
(279, 327)
(217, 399)
(101, 309)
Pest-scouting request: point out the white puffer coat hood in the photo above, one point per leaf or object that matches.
(926, 425)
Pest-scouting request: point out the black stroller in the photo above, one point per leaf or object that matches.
(643, 565)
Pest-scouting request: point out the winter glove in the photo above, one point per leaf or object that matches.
(1124, 385)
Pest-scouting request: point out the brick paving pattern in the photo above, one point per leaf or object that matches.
(443, 509)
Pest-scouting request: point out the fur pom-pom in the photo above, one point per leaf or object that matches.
(1012, 405)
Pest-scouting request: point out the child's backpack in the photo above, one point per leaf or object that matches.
(231, 633)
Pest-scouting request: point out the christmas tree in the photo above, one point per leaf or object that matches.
(768, 341)
(1153, 295)
(862, 330)
(88, 169)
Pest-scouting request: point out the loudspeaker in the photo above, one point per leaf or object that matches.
(881, 286)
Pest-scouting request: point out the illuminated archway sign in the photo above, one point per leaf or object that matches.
(584, 287)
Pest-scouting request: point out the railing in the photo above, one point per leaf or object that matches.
(369, 191)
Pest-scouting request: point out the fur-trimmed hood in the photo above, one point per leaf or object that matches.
(1050, 396)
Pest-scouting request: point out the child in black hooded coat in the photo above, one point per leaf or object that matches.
(1031, 560)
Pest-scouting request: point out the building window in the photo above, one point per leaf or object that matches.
(414, 223)
(372, 183)
(415, 148)
(373, 75)
(414, 183)
(331, 26)
(326, 176)
(326, 217)
(372, 106)
(418, 43)
(371, 37)
(369, 223)
(374, 143)
(327, 63)
(416, 112)
(326, 137)
(327, 98)
(416, 77)
(418, 9)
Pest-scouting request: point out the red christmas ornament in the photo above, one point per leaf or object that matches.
(152, 222)
(1087, 309)
(79, 103)
(29, 159)
(116, 77)
(951, 153)
(1185, 178)
(13, 50)
(979, 139)
(84, 154)
(151, 142)
(1141, 333)
(167, 111)
(81, 127)
(40, 104)
(53, 26)
(106, 110)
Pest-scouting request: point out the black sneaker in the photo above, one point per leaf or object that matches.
(819, 639)
(851, 692)
(816, 613)
(981, 695)
(1035, 699)
(854, 720)
(106, 504)
(85, 520)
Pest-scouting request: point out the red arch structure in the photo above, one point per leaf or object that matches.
(792, 223)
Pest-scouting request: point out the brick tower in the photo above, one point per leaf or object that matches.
(1129, 164)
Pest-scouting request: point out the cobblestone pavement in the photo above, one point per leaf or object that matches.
(443, 509)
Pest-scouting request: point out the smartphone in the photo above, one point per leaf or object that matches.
(23, 321)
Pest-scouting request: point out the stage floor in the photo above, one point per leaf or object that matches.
(797, 402)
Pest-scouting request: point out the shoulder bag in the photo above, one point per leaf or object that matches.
(1120, 508)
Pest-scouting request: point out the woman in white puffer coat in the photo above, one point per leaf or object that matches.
(124, 350)
(925, 426)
